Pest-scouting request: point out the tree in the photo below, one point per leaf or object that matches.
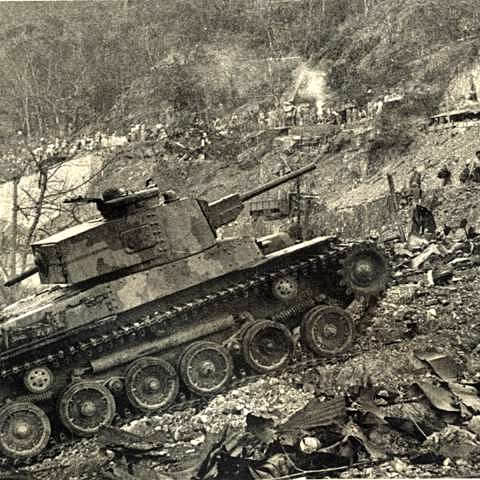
(37, 209)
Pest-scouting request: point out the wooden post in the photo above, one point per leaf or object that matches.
(394, 207)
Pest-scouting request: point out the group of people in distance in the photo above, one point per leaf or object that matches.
(422, 218)
(470, 173)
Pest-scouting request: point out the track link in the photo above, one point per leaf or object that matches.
(140, 327)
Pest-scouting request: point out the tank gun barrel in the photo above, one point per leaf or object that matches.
(275, 183)
(227, 209)
(22, 276)
(81, 199)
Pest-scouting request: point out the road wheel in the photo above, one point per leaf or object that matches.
(24, 430)
(206, 367)
(85, 407)
(267, 346)
(327, 330)
(151, 384)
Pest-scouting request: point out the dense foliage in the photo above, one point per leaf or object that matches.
(410, 45)
(66, 65)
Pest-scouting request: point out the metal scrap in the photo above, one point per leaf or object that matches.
(351, 430)
(373, 413)
(121, 473)
(315, 414)
(474, 424)
(120, 440)
(453, 442)
(261, 428)
(467, 394)
(442, 364)
(439, 397)
(409, 426)
(432, 249)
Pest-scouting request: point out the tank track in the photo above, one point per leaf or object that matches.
(151, 321)
(140, 327)
(309, 360)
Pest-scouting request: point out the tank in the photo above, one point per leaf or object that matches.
(147, 305)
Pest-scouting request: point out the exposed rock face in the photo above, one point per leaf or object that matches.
(465, 86)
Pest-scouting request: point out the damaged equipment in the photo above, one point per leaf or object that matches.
(148, 303)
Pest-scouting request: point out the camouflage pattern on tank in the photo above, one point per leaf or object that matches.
(153, 236)
(147, 301)
(67, 312)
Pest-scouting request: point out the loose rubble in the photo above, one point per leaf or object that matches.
(404, 403)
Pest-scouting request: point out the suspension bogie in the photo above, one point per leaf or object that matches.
(88, 401)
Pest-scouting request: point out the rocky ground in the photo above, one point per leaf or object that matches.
(432, 150)
(402, 403)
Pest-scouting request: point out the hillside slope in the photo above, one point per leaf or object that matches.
(345, 176)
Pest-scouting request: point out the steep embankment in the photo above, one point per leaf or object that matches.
(343, 183)
(432, 150)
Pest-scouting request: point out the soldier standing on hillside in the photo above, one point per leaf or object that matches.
(261, 120)
(271, 119)
(471, 174)
(422, 219)
(475, 173)
(415, 184)
(290, 113)
(445, 175)
(465, 174)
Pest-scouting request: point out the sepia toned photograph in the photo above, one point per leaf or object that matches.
(239, 239)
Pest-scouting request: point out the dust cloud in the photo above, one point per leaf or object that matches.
(311, 84)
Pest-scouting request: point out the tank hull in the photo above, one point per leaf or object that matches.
(216, 312)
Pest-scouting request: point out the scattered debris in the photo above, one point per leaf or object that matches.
(315, 414)
(261, 428)
(443, 365)
(467, 394)
(432, 249)
(453, 442)
(439, 397)
(351, 430)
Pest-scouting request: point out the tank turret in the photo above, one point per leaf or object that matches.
(137, 231)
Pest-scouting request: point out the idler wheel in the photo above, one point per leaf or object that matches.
(24, 430)
(327, 330)
(38, 380)
(85, 407)
(285, 288)
(366, 270)
(206, 367)
(151, 384)
(267, 346)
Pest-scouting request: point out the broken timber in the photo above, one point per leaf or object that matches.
(394, 207)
